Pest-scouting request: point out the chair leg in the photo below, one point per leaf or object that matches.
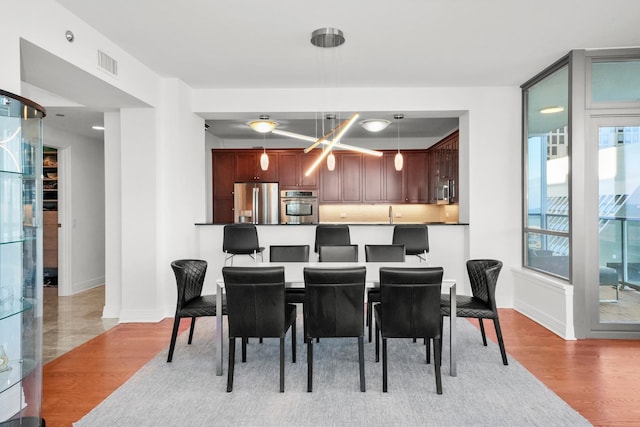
(427, 342)
(503, 352)
(193, 326)
(282, 364)
(361, 362)
(369, 318)
(309, 364)
(174, 335)
(232, 359)
(377, 343)
(245, 340)
(384, 365)
(293, 342)
(437, 345)
(484, 336)
(441, 328)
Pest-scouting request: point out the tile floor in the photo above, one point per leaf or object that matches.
(71, 321)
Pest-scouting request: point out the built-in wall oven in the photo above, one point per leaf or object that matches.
(298, 207)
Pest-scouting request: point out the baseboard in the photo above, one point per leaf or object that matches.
(141, 316)
(546, 301)
(87, 284)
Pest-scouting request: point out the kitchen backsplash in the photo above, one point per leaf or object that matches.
(379, 214)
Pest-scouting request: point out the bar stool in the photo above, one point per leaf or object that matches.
(414, 237)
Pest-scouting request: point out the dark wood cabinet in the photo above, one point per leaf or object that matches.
(381, 181)
(357, 178)
(416, 177)
(373, 180)
(330, 182)
(292, 166)
(306, 160)
(393, 182)
(223, 166)
(351, 177)
(445, 167)
(247, 167)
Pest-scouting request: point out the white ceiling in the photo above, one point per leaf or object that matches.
(405, 43)
(252, 43)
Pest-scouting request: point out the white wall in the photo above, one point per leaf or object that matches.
(84, 189)
(163, 174)
(490, 124)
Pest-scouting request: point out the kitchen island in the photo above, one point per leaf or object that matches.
(448, 246)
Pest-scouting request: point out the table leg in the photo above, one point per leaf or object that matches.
(452, 332)
(219, 335)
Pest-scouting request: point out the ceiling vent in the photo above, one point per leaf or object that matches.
(107, 63)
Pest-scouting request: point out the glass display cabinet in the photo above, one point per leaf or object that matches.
(20, 261)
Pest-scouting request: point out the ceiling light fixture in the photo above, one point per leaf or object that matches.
(264, 125)
(552, 110)
(374, 125)
(344, 126)
(398, 160)
(327, 37)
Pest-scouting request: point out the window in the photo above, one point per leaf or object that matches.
(547, 177)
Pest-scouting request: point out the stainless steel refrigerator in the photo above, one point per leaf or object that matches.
(256, 202)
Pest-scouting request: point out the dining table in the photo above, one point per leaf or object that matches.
(294, 278)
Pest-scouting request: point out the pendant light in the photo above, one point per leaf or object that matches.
(331, 161)
(264, 158)
(398, 160)
(331, 158)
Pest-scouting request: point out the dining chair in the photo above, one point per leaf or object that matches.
(483, 275)
(331, 234)
(240, 239)
(334, 307)
(380, 253)
(409, 308)
(414, 237)
(290, 253)
(190, 275)
(338, 253)
(256, 308)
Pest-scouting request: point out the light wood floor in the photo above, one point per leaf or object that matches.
(598, 378)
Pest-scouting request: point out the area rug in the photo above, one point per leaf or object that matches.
(187, 392)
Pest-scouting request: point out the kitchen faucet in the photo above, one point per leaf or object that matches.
(390, 214)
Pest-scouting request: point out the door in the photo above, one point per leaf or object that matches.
(615, 293)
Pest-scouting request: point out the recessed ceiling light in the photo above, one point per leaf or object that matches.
(551, 110)
(97, 127)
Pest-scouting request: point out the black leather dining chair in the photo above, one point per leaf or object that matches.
(334, 307)
(240, 239)
(190, 275)
(414, 237)
(380, 253)
(256, 308)
(338, 253)
(483, 275)
(409, 308)
(289, 253)
(331, 234)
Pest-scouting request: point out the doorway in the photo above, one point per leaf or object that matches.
(50, 217)
(618, 223)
